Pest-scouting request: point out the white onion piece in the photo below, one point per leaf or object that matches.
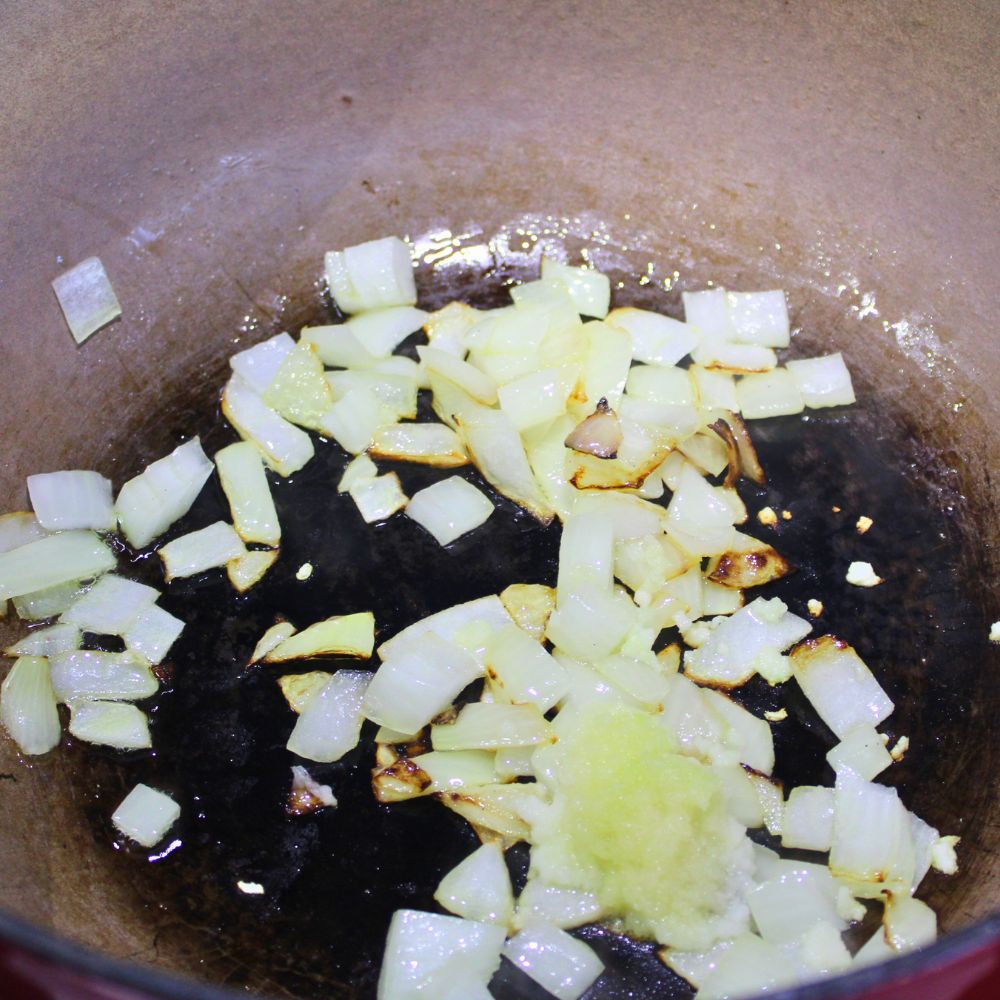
(258, 366)
(750, 738)
(862, 751)
(943, 855)
(72, 499)
(341, 635)
(719, 600)
(742, 800)
(429, 444)
(770, 394)
(378, 499)
(551, 293)
(449, 509)
(537, 397)
(145, 815)
(823, 381)
(51, 601)
(694, 966)
(60, 558)
(759, 318)
(110, 606)
(271, 638)
(706, 452)
(720, 354)
(446, 329)
(786, 906)
(353, 419)
(456, 769)
(709, 312)
(872, 847)
(372, 275)
(591, 623)
(743, 643)
(716, 390)
(807, 823)
(697, 518)
(875, 949)
(839, 685)
(89, 674)
(563, 908)
(478, 888)
(661, 385)
(300, 689)
(361, 469)
(522, 671)
(630, 516)
(515, 762)
(197, 551)
(822, 950)
(86, 298)
(163, 492)
(470, 379)
(909, 923)
(561, 964)
(18, 528)
(749, 965)
(546, 452)
(589, 289)
(152, 633)
(330, 724)
(430, 955)
(285, 447)
(656, 339)
(336, 346)
(59, 638)
(495, 446)
(417, 681)
(241, 473)
(110, 723)
(250, 567)
(28, 706)
(449, 623)
(606, 365)
(396, 393)
(641, 683)
(586, 555)
(381, 331)
(491, 727)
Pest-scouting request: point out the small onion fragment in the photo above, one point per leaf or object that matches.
(51, 601)
(259, 365)
(656, 339)
(564, 908)
(145, 815)
(72, 499)
(86, 298)
(589, 289)
(307, 795)
(110, 723)
(300, 689)
(449, 508)
(250, 567)
(427, 444)
(53, 560)
(600, 434)
(530, 605)
(823, 381)
(808, 819)
(863, 751)
(197, 551)
(561, 964)
(478, 888)
(378, 499)
(769, 394)
(330, 724)
(28, 706)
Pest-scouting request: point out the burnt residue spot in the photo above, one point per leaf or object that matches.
(346, 100)
(368, 186)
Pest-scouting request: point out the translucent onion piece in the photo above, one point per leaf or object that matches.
(449, 509)
(585, 555)
(378, 499)
(564, 908)
(479, 888)
(250, 567)
(546, 451)
(259, 365)
(862, 751)
(360, 469)
(515, 762)
(307, 795)
(656, 339)
(201, 550)
(719, 354)
(839, 685)
(341, 635)
(661, 385)
(697, 519)
(561, 964)
(606, 364)
(823, 381)
(694, 966)
(58, 638)
(337, 346)
(417, 681)
(707, 453)
(751, 739)
(591, 623)
(748, 563)
(110, 723)
(786, 906)
(152, 633)
(145, 815)
(110, 606)
(245, 484)
(381, 331)
(51, 601)
(433, 773)
(428, 444)
(394, 392)
(749, 965)
(372, 275)
(28, 706)
(741, 796)
(808, 819)
(521, 671)
(500, 813)
(538, 397)
(271, 638)
(56, 559)
(89, 674)
(19, 528)
(72, 499)
(741, 644)
(446, 328)
(86, 298)
(470, 379)
(353, 419)
(163, 492)
(823, 951)
(589, 289)
(909, 923)
(300, 689)
(772, 394)
(759, 318)
(709, 312)
(285, 447)
(430, 955)
(630, 516)
(716, 390)
(330, 724)
(530, 605)
(491, 727)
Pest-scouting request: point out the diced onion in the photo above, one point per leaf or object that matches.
(59, 638)
(909, 923)
(823, 381)
(808, 819)
(300, 689)
(862, 751)
(564, 908)
(490, 727)
(110, 723)
(51, 601)
(250, 567)
(697, 518)
(720, 354)
(759, 318)
(428, 444)
(378, 499)
(341, 635)
(430, 955)
(694, 966)
(709, 312)
(244, 482)
(606, 365)
(152, 633)
(353, 419)
(72, 499)
(271, 638)
(330, 724)
(259, 365)
(470, 379)
(661, 385)
(823, 951)
(786, 906)
(201, 550)
(591, 623)
(478, 888)
(88, 674)
(716, 390)
(360, 469)
(110, 606)
(86, 298)
(589, 289)
(537, 397)
(28, 706)
(395, 393)
(145, 815)
(56, 559)
(18, 528)
(381, 331)
(749, 965)
(446, 328)
(372, 275)
(656, 339)
(449, 508)
(521, 671)
(599, 435)
(771, 394)
(561, 964)
(337, 346)
(162, 493)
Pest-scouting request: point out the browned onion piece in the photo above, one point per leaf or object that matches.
(733, 430)
(732, 451)
(600, 434)
(749, 563)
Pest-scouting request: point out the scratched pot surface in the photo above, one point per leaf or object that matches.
(332, 880)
